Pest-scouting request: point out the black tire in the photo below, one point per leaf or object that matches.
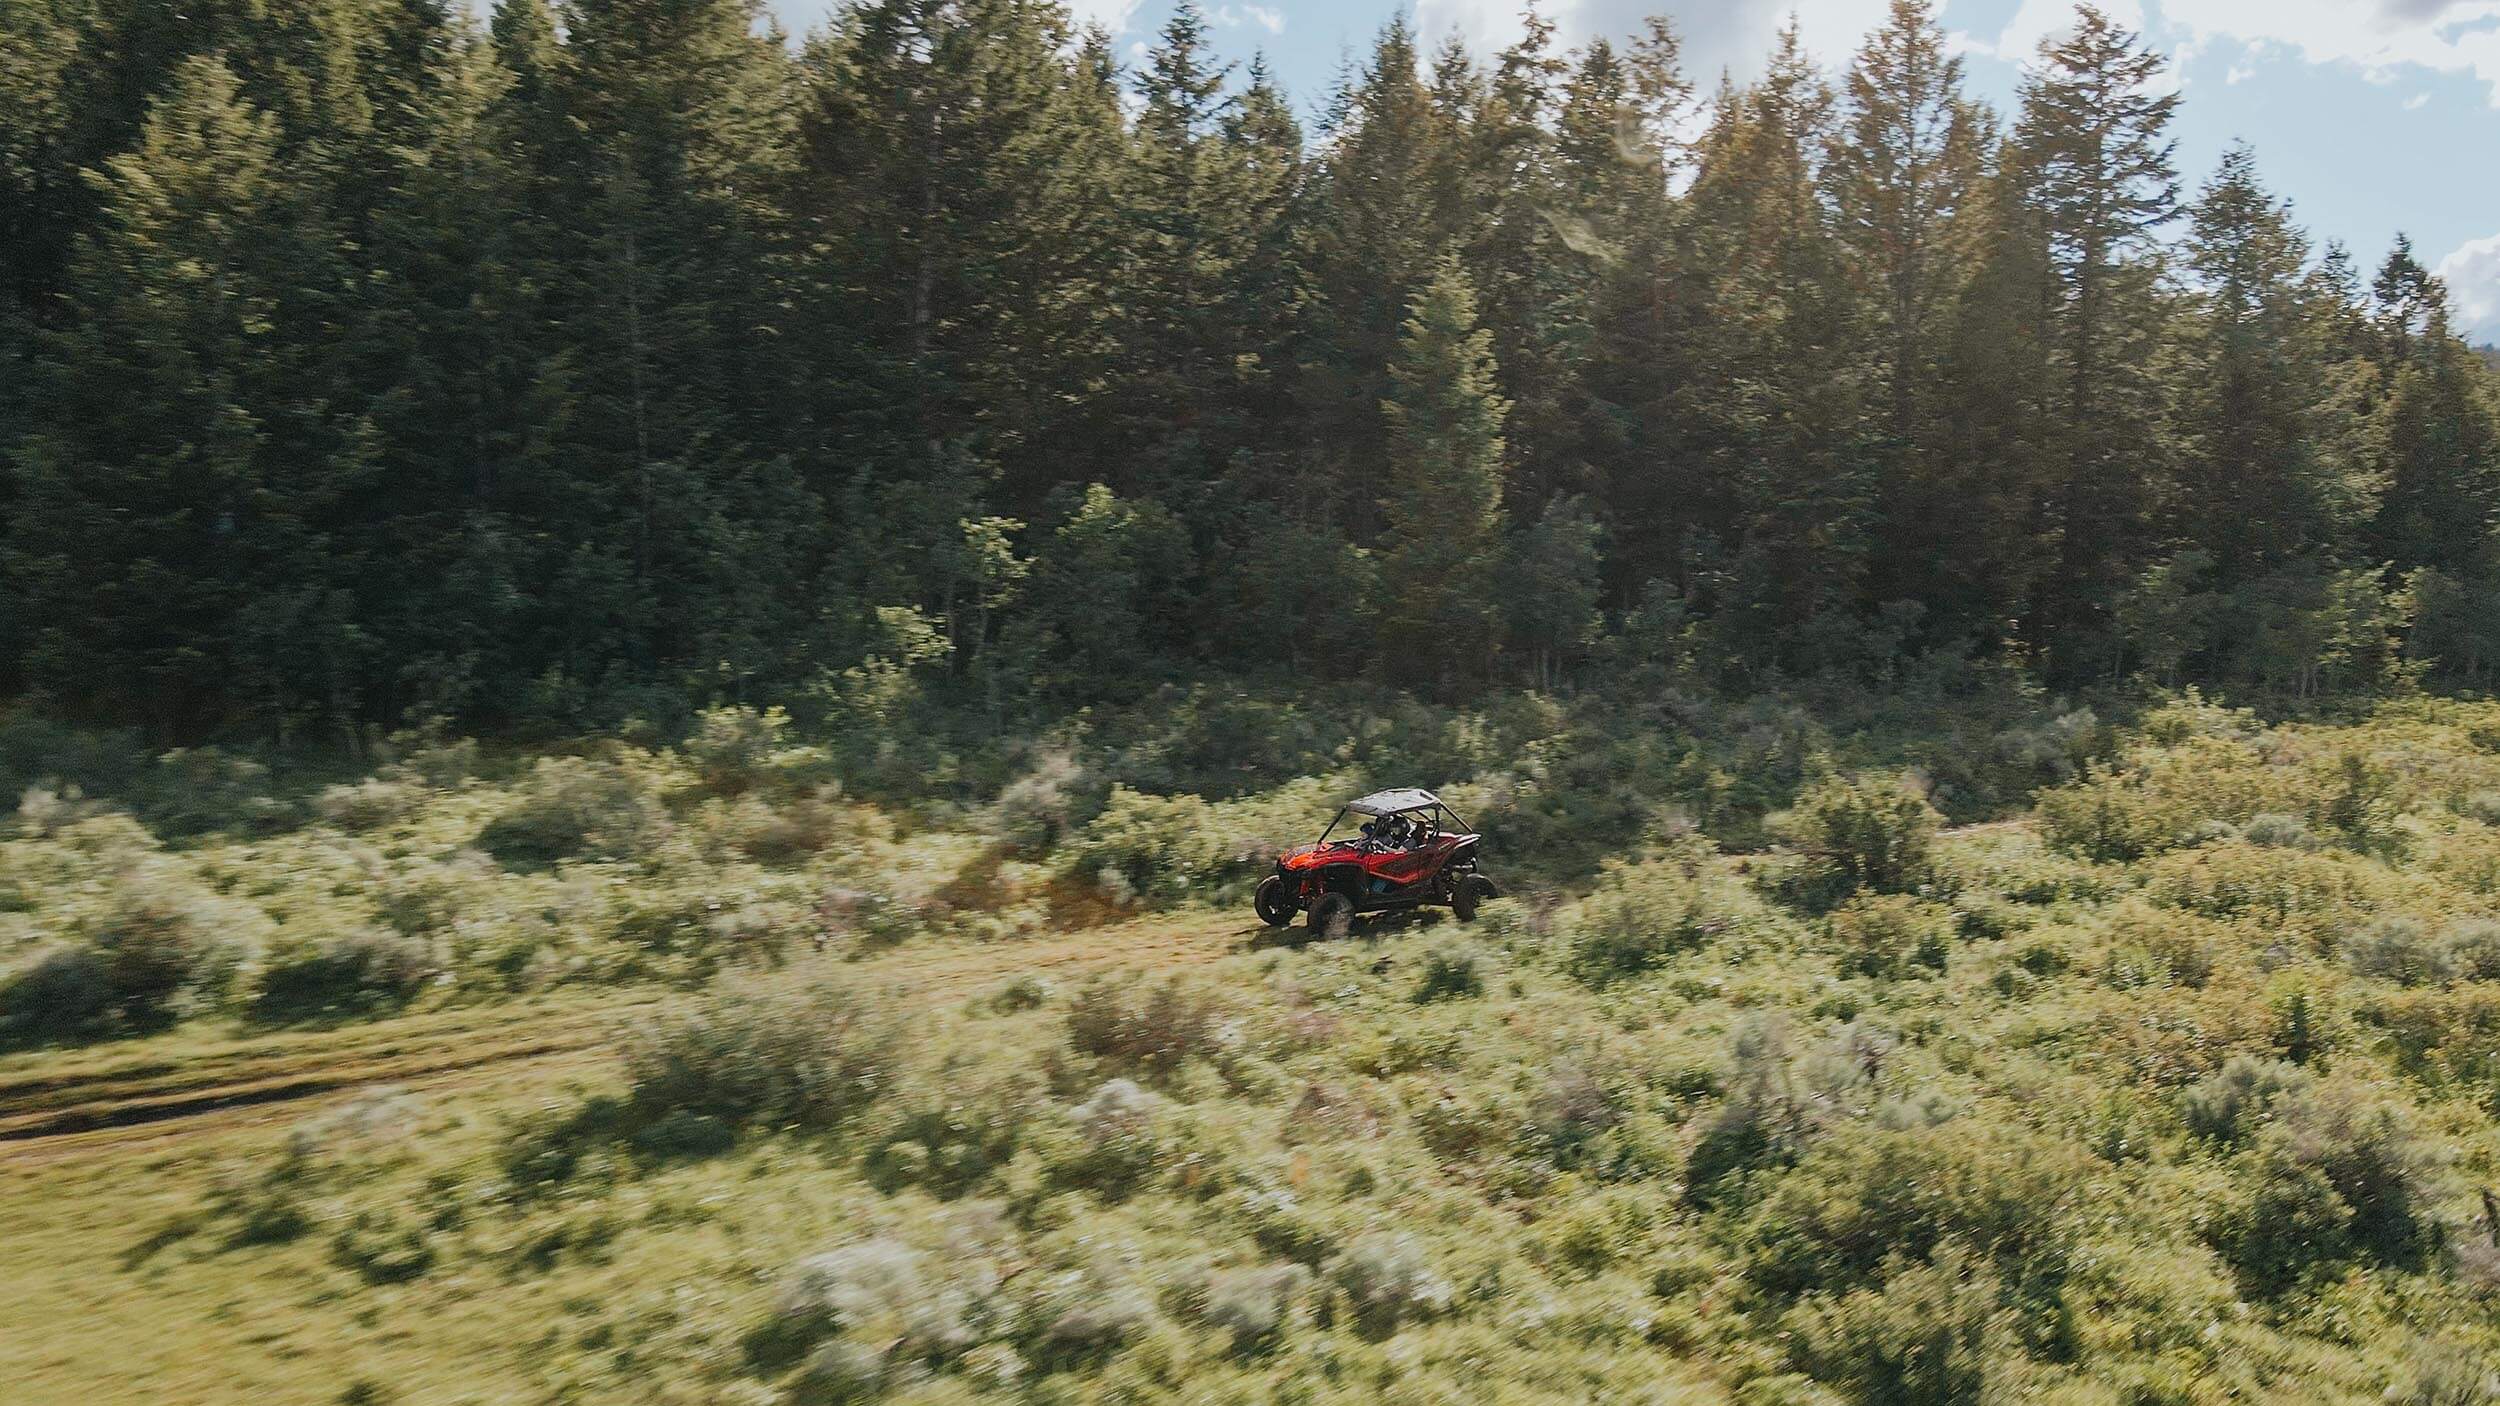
(1331, 915)
(1274, 905)
(1473, 891)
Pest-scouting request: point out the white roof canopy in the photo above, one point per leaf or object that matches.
(1393, 802)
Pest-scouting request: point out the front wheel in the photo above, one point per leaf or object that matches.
(1331, 915)
(1275, 906)
(1473, 892)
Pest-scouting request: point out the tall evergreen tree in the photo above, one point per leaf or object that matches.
(1441, 551)
(1209, 291)
(1646, 318)
(954, 197)
(1904, 168)
(1973, 527)
(1269, 283)
(1181, 206)
(1784, 409)
(2435, 441)
(2094, 145)
(1381, 222)
(1905, 171)
(2258, 485)
(177, 546)
(1521, 266)
(670, 267)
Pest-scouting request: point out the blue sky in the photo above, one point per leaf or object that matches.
(2372, 116)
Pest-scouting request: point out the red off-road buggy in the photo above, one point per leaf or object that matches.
(1406, 850)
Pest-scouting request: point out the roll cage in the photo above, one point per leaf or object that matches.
(1386, 803)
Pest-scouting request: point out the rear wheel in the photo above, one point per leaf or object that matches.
(1332, 915)
(1473, 891)
(1274, 904)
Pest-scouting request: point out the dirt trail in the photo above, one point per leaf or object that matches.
(150, 1100)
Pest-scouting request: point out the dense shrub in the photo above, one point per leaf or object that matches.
(1868, 831)
(2446, 1374)
(1387, 1279)
(2275, 885)
(1116, 1109)
(1094, 1310)
(1254, 1304)
(38, 753)
(793, 828)
(2055, 750)
(877, 1289)
(2398, 948)
(1173, 848)
(385, 1245)
(432, 757)
(2199, 769)
(368, 804)
(950, 1149)
(1450, 972)
(2228, 1104)
(575, 809)
(1863, 1197)
(200, 790)
(2272, 831)
(845, 1370)
(1986, 917)
(157, 943)
(152, 945)
(1153, 1032)
(1589, 1123)
(1766, 1119)
(1039, 810)
(1778, 1100)
(737, 750)
(2149, 947)
(1930, 1335)
(1641, 916)
(1023, 993)
(2341, 1175)
(880, 1311)
(1109, 1145)
(1148, 847)
(1889, 935)
(2104, 818)
(807, 1059)
(2473, 948)
(62, 993)
(358, 972)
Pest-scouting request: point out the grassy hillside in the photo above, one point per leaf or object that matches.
(2180, 1089)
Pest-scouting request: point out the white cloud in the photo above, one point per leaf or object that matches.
(1264, 16)
(2380, 37)
(2417, 102)
(2472, 273)
(1730, 35)
(1112, 15)
(2040, 20)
